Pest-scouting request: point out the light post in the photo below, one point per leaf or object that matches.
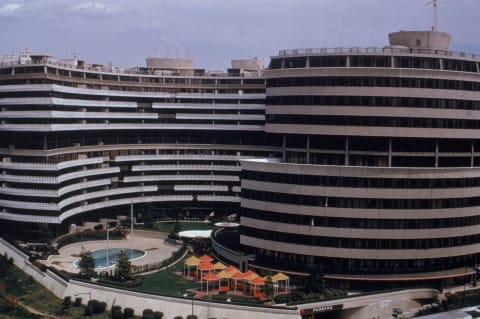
(108, 237)
(186, 295)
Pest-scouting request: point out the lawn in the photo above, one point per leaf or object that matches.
(168, 226)
(166, 282)
(31, 293)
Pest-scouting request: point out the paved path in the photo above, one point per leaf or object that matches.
(151, 242)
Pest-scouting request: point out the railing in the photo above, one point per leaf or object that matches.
(125, 71)
(389, 50)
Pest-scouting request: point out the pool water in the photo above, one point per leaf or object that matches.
(100, 256)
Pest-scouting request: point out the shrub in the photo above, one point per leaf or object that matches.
(192, 317)
(128, 313)
(10, 302)
(116, 312)
(147, 314)
(67, 302)
(77, 302)
(157, 315)
(178, 317)
(95, 307)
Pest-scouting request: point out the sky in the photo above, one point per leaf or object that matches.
(212, 32)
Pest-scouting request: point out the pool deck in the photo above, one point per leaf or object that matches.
(151, 242)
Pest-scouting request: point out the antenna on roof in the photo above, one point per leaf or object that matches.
(435, 14)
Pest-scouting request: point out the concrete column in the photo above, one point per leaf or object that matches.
(308, 150)
(346, 150)
(472, 156)
(390, 152)
(436, 153)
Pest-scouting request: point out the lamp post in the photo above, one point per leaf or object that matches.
(186, 295)
(108, 238)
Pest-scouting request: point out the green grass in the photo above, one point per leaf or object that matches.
(31, 293)
(167, 227)
(167, 282)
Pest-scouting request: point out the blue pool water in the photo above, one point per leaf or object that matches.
(100, 256)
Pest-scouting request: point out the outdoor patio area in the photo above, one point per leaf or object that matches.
(150, 242)
(215, 277)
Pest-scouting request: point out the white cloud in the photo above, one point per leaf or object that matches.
(96, 8)
(11, 9)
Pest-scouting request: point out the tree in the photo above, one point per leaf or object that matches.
(268, 288)
(116, 312)
(123, 267)
(45, 233)
(315, 282)
(67, 302)
(86, 264)
(148, 217)
(128, 313)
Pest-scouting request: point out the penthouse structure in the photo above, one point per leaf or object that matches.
(379, 177)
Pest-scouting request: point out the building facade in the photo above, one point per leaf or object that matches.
(379, 175)
(361, 161)
(79, 141)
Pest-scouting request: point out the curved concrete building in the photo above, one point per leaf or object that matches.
(80, 141)
(362, 161)
(379, 178)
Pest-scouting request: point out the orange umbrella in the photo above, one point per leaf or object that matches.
(204, 266)
(231, 269)
(257, 281)
(205, 258)
(209, 277)
(237, 276)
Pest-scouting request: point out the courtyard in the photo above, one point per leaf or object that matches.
(156, 250)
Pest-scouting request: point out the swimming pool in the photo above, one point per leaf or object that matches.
(100, 256)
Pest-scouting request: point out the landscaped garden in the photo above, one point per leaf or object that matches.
(166, 282)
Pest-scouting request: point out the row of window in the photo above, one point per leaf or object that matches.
(299, 262)
(360, 223)
(372, 121)
(361, 182)
(374, 61)
(380, 101)
(365, 81)
(128, 78)
(362, 203)
(355, 243)
(140, 100)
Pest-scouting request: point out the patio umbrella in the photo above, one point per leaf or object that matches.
(219, 266)
(204, 266)
(223, 275)
(191, 261)
(237, 276)
(281, 277)
(257, 281)
(209, 277)
(231, 269)
(205, 258)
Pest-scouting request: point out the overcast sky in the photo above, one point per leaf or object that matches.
(214, 31)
